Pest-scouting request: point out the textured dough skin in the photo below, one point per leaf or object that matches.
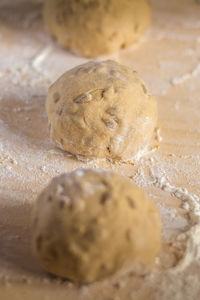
(101, 110)
(97, 27)
(90, 223)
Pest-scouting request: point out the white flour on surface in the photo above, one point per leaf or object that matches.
(195, 72)
(169, 171)
(190, 202)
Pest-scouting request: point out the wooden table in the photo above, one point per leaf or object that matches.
(168, 59)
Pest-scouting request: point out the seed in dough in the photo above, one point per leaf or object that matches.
(97, 27)
(96, 223)
(101, 114)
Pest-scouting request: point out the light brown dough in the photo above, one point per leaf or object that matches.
(96, 27)
(101, 110)
(90, 223)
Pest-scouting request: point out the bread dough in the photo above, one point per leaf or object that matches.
(97, 27)
(89, 223)
(101, 110)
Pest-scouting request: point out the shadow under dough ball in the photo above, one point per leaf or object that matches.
(90, 223)
(101, 110)
(97, 27)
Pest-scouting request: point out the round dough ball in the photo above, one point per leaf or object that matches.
(101, 110)
(90, 223)
(96, 27)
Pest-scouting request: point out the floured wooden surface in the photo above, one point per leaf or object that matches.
(168, 60)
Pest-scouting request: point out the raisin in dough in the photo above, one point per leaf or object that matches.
(101, 110)
(96, 27)
(90, 223)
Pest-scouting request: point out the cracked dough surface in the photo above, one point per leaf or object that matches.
(97, 27)
(29, 63)
(101, 110)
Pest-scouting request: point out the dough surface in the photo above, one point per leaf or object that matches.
(89, 223)
(101, 110)
(97, 27)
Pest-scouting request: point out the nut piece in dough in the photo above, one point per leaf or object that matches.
(96, 27)
(101, 110)
(90, 223)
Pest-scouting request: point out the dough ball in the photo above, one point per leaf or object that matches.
(101, 110)
(90, 223)
(96, 27)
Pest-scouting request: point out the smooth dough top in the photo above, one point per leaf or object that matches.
(90, 223)
(101, 110)
(97, 27)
